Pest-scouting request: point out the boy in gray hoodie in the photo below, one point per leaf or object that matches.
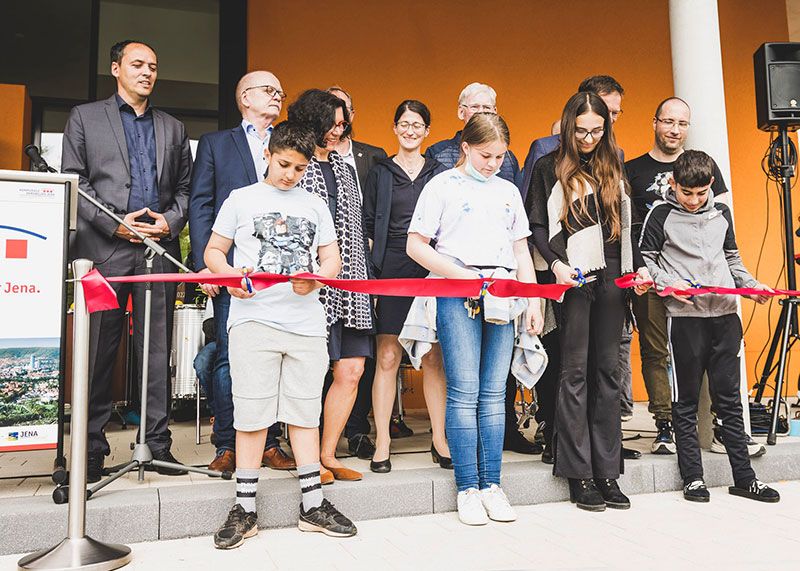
(686, 241)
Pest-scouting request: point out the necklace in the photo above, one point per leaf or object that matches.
(409, 169)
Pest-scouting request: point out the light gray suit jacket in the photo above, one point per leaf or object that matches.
(94, 148)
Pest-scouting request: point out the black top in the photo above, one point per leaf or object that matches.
(330, 178)
(649, 180)
(405, 193)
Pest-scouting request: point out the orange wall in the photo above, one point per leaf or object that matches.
(534, 54)
(15, 126)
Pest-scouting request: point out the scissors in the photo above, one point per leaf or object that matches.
(583, 280)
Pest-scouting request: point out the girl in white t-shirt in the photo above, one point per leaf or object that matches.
(478, 223)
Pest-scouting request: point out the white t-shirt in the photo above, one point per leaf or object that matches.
(277, 231)
(472, 221)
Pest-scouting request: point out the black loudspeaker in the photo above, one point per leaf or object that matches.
(777, 72)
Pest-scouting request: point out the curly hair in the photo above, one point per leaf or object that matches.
(316, 110)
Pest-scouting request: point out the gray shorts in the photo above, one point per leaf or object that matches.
(277, 376)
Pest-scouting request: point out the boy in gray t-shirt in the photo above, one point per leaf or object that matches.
(278, 348)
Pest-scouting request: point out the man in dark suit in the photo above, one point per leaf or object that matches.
(362, 157)
(136, 160)
(227, 160)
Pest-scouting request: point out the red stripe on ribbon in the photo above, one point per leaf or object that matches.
(631, 280)
(100, 296)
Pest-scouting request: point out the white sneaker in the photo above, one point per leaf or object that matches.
(754, 449)
(470, 508)
(496, 503)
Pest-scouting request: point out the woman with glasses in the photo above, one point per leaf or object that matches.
(390, 196)
(349, 314)
(580, 216)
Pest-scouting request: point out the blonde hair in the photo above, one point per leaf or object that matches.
(483, 128)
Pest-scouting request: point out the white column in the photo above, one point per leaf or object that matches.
(697, 79)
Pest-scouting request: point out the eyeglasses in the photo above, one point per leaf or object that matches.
(272, 92)
(343, 125)
(670, 123)
(475, 108)
(404, 125)
(581, 134)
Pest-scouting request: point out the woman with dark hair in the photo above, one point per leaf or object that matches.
(480, 228)
(349, 315)
(580, 216)
(390, 196)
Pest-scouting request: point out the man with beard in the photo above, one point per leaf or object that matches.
(649, 177)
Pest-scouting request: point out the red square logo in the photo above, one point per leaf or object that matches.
(17, 249)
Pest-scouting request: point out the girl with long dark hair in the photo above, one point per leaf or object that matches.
(581, 221)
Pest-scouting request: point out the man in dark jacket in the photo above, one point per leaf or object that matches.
(227, 160)
(475, 98)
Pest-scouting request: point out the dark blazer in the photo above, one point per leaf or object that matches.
(366, 156)
(94, 148)
(223, 164)
(378, 204)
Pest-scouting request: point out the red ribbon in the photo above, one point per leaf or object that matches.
(631, 280)
(100, 296)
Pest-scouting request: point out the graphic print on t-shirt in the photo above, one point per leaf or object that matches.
(658, 188)
(285, 243)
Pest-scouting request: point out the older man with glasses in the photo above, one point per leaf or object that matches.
(475, 98)
(227, 160)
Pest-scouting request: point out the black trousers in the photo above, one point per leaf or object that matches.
(588, 437)
(105, 331)
(711, 345)
(547, 386)
(358, 422)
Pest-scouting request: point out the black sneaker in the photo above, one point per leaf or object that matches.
(165, 455)
(664, 442)
(612, 495)
(239, 526)
(756, 490)
(399, 429)
(360, 445)
(586, 496)
(94, 467)
(326, 519)
(696, 491)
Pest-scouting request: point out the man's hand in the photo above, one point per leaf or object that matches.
(130, 218)
(160, 224)
(302, 286)
(758, 298)
(210, 290)
(682, 285)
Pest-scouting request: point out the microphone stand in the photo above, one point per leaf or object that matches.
(142, 456)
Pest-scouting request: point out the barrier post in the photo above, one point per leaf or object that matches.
(78, 551)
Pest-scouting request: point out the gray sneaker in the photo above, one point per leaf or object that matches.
(326, 519)
(239, 526)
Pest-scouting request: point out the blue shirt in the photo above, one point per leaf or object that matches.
(257, 146)
(141, 141)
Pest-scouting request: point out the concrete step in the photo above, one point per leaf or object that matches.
(169, 512)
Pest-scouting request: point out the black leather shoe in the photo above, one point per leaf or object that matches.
(381, 467)
(515, 442)
(94, 467)
(612, 495)
(547, 455)
(630, 454)
(399, 429)
(443, 461)
(585, 495)
(360, 445)
(166, 456)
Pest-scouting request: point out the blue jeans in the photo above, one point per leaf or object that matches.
(204, 369)
(477, 356)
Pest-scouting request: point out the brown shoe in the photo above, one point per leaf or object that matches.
(225, 462)
(325, 475)
(277, 459)
(345, 474)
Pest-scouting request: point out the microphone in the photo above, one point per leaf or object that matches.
(38, 163)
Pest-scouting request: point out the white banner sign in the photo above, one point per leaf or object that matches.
(31, 289)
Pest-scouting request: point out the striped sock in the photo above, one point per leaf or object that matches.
(246, 485)
(310, 486)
